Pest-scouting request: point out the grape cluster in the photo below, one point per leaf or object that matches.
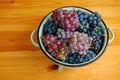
(49, 40)
(68, 20)
(54, 46)
(80, 42)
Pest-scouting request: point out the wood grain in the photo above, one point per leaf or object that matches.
(20, 60)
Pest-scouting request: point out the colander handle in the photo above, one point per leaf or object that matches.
(32, 40)
(112, 33)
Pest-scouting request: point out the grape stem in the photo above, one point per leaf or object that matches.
(101, 28)
(81, 25)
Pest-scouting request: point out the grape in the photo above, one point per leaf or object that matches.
(80, 42)
(49, 49)
(55, 47)
(57, 56)
(58, 42)
(59, 35)
(67, 20)
(59, 30)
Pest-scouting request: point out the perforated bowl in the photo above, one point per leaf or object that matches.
(62, 64)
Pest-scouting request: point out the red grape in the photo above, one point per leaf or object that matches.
(79, 42)
(68, 20)
(54, 46)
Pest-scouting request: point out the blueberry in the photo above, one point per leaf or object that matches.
(94, 37)
(54, 31)
(95, 18)
(100, 41)
(77, 60)
(88, 51)
(45, 30)
(89, 57)
(85, 16)
(82, 56)
(71, 58)
(81, 16)
(90, 22)
(87, 25)
(96, 48)
(80, 60)
(79, 12)
(93, 55)
(94, 22)
(78, 56)
(99, 24)
(84, 30)
(98, 20)
(86, 59)
(96, 52)
(66, 60)
(74, 55)
(97, 45)
(52, 27)
(51, 24)
(80, 19)
(97, 14)
(99, 33)
(93, 33)
(50, 31)
(90, 18)
(93, 15)
(70, 61)
(83, 22)
(91, 52)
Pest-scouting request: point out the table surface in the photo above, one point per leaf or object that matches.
(20, 60)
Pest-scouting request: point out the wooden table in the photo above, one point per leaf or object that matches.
(20, 60)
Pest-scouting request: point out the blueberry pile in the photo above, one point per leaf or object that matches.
(91, 26)
(50, 28)
(73, 37)
(75, 58)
